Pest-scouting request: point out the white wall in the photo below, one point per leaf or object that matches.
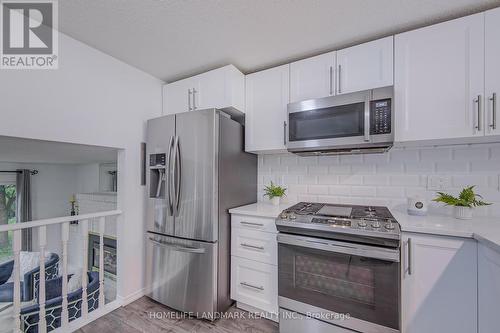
(386, 179)
(91, 99)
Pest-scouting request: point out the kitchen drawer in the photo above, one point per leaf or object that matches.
(253, 223)
(256, 245)
(255, 284)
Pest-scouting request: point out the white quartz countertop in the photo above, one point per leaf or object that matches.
(261, 209)
(484, 229)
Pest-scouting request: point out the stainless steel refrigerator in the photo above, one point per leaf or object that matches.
(198, 170)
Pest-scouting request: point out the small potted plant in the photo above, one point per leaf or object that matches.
(464, 204)
(274, 193)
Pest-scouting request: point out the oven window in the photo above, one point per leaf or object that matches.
(328, 123)
(366, 288)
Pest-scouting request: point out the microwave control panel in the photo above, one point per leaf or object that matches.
(380, 116)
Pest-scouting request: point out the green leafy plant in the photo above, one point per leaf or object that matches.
(273, 191)
(466, 198)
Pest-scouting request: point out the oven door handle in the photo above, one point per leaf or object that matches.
(365, 251)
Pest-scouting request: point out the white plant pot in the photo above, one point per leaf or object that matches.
(463, 213)
(275, 201)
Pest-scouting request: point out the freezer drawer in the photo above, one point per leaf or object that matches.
(181, 274)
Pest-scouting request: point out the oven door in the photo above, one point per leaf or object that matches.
(346, 284)
(329, 122)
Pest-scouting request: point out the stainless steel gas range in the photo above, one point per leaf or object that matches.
(338, 269)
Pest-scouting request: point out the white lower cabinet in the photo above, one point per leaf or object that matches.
(439, 284)
(254, 270)
(488, 289)
(254, 283)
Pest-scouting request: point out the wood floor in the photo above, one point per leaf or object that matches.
(139, 316)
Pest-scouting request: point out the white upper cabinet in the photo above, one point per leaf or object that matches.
(492, 70)
(312, 77)
(439, 81)
(177, 96)
(366, 66)
(439, 284)
(266, 99)
(222, 88)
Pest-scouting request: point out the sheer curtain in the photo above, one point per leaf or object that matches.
(23, 205)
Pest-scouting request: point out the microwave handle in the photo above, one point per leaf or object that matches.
(367, 120)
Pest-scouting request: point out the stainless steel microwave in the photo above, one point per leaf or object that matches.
(354, 123)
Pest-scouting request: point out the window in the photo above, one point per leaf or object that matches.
(7, 216)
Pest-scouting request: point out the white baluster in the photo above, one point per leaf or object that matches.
(65, 238)
(102, 224)
(85, 240)
(42, 242)
(16, 248)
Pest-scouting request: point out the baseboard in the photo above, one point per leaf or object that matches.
(262, 313)
(94, 315)
(132, 297)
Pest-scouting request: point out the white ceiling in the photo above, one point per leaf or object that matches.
(37, 151)
(172, 39)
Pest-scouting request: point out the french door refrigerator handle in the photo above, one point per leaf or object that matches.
(176, 247)
(176, 172)
(168, 186)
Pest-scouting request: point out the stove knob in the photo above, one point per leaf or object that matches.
(361, 223)
(376, 224)
(283, 216)
(292, 216)
(389, 226)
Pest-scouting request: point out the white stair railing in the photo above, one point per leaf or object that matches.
(22, 322)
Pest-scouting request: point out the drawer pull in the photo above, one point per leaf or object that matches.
(254, 224)
(252, 246)
(251, 286)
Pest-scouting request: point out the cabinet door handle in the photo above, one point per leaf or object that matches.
(252, 246)
(194, 99)
(254, 224)
(478, 101)
(493, 100)
(331, 80)
(408, 254)
(339, 88)
(189, 99)
(284, 133)
(252, 286)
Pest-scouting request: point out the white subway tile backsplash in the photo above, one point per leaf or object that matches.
(404, 155)
(420, 167)
(318, 169)
(364, 191)
(318, 189)
(363, 168)
(351, 180)
(376, 180)
(385, 179)
(436, 154)
(308, 179)
(340, 190)
(340, 169)
(390, 192)
(405, 180)
(452, 166)
(470, 154)
(328, 179)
